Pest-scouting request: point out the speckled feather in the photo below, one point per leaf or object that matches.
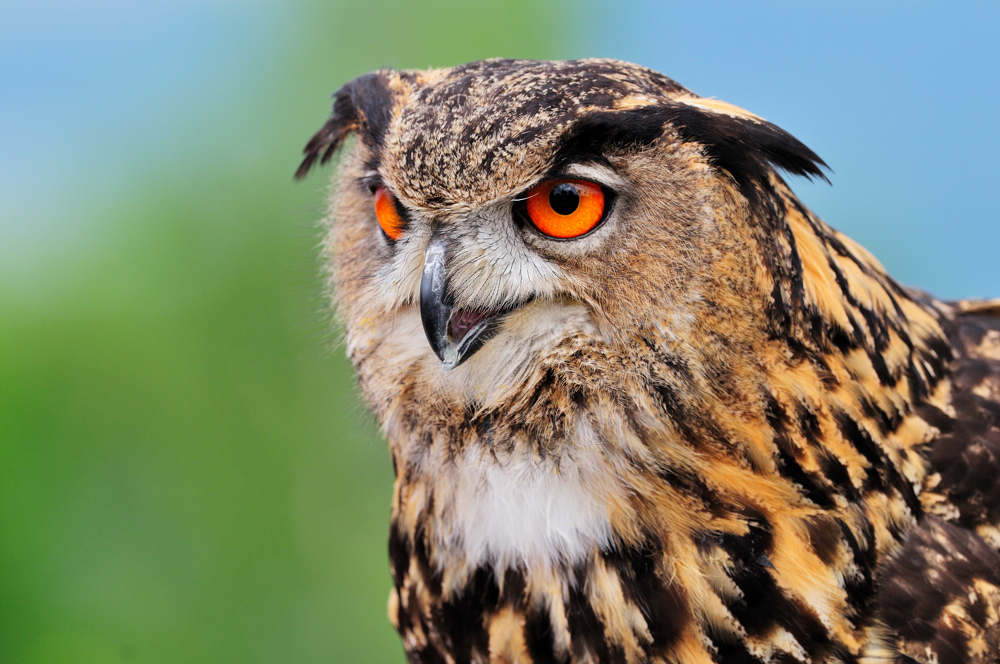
(712, 430)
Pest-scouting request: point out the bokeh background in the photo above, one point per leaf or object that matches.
(186, 471)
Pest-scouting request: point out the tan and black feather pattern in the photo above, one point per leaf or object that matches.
(963, 487)
(940, 594)
(713, 429)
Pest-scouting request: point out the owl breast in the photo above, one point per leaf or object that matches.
(513, 512)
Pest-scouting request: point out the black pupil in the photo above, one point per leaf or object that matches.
(564, 198)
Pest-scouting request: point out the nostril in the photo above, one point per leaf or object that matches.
(462, 321)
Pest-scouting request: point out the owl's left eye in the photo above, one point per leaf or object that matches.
(566, 208)
(387, 211)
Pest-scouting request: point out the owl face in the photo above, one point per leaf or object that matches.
(491, 213)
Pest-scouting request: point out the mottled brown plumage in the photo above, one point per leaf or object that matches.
(712, 429)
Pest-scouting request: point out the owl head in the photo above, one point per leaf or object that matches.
(499, 215)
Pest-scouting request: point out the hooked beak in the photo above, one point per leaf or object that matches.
(454, 334)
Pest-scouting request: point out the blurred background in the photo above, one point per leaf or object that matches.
(186, 471)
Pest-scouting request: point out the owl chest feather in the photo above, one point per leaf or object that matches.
(638, 537)
(520, 513)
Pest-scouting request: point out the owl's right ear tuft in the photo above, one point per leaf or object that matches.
(363, 105)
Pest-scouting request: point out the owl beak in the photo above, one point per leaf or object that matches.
(453, 334)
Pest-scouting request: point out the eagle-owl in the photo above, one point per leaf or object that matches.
(643, 405)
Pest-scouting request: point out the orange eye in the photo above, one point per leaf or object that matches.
(388, 214)
(566, 208)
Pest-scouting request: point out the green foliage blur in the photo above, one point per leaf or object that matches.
(187, 472)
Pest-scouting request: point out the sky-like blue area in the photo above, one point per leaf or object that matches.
(900, 99)
(94, 94)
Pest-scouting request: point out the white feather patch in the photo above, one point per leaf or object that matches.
(524, 512)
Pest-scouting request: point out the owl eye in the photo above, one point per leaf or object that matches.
(387, 212)
(566, 208)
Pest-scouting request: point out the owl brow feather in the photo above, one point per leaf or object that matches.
(363, 105)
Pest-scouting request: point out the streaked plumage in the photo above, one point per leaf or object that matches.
(711, 429)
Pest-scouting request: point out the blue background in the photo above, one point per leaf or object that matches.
(186, 471)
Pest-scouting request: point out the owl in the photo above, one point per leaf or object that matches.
(643, 405)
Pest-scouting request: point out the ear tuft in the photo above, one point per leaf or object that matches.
(745, 146)
(363, 105)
